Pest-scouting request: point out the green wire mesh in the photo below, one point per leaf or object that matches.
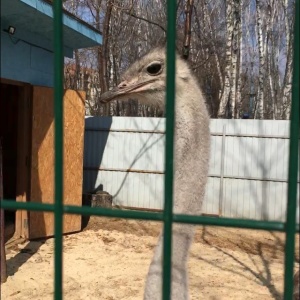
(289, 227)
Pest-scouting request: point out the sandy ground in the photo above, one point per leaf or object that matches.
(110, 258)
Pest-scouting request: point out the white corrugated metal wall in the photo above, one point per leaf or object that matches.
(248, 165)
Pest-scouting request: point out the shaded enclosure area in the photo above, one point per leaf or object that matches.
(9, 98)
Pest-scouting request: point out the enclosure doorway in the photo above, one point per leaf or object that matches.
(27, 131)
(15, 141)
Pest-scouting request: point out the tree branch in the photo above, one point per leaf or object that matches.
(146, 20)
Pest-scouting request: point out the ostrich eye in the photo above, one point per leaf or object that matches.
(154, 69)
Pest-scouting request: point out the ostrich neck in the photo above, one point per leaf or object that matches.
(191, 167)
(192, 139)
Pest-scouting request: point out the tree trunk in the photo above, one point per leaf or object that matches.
(77, 81)
(271, 56)
(240, 64)
(287, 86)
(271, 83)
(235, 55)
(260, 96)
(212, 41)
(227, 81)
(287, 81)
(103, 52)
(187, 28)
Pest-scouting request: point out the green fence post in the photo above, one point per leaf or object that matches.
(169, 150)
(293, 167)
(58, 142)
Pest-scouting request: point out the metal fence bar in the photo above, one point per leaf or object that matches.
(169, 151)
(246, 178)
(209, 175)
(58, 145)
(124, 130)
(153, 216)
(221, 194)
(293, 165)
(258, 136)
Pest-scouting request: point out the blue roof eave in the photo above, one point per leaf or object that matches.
(33, 20)
(47, 9)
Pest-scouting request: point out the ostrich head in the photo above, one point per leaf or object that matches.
(145, 80)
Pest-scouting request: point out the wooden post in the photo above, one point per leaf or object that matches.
(3, 274)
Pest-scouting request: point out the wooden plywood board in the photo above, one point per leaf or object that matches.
(42, 158)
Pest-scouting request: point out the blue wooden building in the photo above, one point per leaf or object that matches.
(26, 112)
(27, 55)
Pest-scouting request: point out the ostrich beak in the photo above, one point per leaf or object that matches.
(125, 88)
(110, 95)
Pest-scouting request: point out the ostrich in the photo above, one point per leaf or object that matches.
(145, 80)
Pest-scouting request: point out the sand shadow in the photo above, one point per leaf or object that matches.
(264, 276)
(24, 254)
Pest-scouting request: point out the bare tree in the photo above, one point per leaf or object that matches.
(239, 37)
(259, 112)
(235, 55)
(256, 65)
(227, 81)
(287, 82)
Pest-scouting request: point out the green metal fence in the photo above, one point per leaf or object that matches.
(167, 217)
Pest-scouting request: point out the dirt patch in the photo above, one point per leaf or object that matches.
(110, 258)
(270, 244)
(139, 228)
